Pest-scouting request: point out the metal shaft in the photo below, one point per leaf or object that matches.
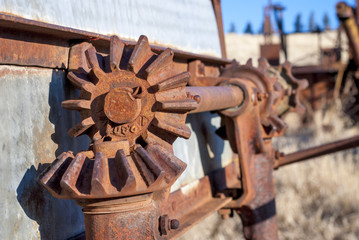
(216, 98)
(318, 151)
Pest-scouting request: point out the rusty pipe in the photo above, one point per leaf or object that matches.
(215, 98)
(317, 151)
(347, 18)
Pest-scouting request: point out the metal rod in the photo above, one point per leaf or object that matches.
(318, 151)
(218, 13)
(216, 98)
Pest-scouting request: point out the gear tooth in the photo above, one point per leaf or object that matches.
(183, 106)
(179, 80)
(146, 175)
(249, 63)
(77, 58)
(46, 175)
(91, 56)
(161, 61)
(80, 83)
(172, 165)
(140, 55)
(263, 65)
(125, 172)
(279, 124)
(116, 51)
(94, 64)
(149, 168)
(78, 104)
(154, 139)
(50, 178)
(151, 164)
(81, 128)
(100, 181)
(170, 124)
(70, 177)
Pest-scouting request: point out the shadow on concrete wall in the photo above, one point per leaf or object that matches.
(57, 218)
(210, 145)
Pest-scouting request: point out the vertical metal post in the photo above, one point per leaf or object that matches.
(218, 13)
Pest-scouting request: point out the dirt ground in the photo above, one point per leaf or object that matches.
(316, 199)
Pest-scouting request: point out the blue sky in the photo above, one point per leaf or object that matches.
(242, 11)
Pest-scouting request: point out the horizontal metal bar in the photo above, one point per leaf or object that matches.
(216, 98)
(318, 151)
(69, 36)
(29, 53)
(193, 202)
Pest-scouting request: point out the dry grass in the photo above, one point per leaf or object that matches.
(317, 199)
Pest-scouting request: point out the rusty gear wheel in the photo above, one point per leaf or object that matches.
(267, 95)
(288, 86)
(277, 92)
(133, 105)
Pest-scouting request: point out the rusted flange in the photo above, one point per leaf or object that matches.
(231, 112)
(277, 92)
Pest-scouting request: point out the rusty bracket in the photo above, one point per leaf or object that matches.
(268, 94)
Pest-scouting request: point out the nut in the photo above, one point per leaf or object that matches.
(167, 224)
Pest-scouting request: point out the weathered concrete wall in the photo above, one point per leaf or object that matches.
(204, 151)
(184, 24)
(303, 48)
(33, 131)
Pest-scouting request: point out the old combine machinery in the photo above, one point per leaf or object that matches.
(134, 99)
(133, 103)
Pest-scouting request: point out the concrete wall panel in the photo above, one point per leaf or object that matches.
(33, 131)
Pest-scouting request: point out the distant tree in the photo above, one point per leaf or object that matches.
(318, 29)
(298, 26)
(248, 28)
(326, 22)
(232, 28)
(312, 27)
(261, 29)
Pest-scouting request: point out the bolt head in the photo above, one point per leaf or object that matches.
(174, 224)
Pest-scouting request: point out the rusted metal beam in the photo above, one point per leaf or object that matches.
(23, 51)
(317, 151)
(55, 38)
